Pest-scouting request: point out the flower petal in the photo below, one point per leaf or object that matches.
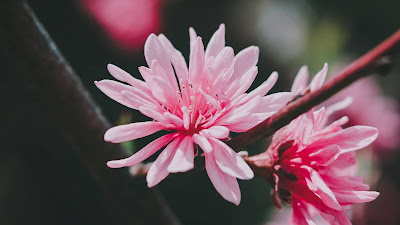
(144, 153)
(196, 63)
(158, 170)
(319, 188)
(244, 60)
(217, 42)
(203, 143)
(184, 157)
(131, 131)
(121, 75)
(230, 162)
(154, 50)
(300, 81)
(176, 57)
(218, 132)
(114, 90)
(349, 139)
(226, 185)
(319, 79)
(352, 197)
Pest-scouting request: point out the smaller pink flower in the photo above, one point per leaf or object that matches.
(383, 113)
(127, 22)
(198, 105)
(314, 162)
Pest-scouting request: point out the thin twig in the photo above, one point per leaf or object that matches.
(376, 60)
(50, 80)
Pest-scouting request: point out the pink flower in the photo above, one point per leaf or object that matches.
(382, 112)
(128, 22)
(314, 163)
(199, 106)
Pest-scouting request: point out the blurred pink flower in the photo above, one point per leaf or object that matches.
(199, 105)
(128, 22)
(371, 108)
(314, 168)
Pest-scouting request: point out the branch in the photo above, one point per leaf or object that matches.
(50, 80)
(376, 60)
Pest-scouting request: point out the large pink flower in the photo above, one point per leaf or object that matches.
(199, 106)
(314, 168)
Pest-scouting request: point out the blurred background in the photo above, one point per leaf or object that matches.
(42, 182)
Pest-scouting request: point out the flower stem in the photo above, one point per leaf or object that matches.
(377, 60)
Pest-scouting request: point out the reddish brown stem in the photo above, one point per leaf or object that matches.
(376, 60)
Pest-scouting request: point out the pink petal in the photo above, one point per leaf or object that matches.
(349, 139)
(210, 99)
(177, 60)
(240, 113)
(319, 188)
(265, 87)
(197, 63)
(246, 81)
(250, 122)
(218, 132)
(184, 157)
(121, 75)
(319, 79)
(153, 114)
(163, 91)
(138, 99)
(224, 60)
(217, 42)
(203, 143)
(158, 170)
(339, 105)
(230, 162)
(192, 35)
(226, 185)
(132, 131)
(300, 81)
(185, 117)
(274, 102)
(345, 182)
(352, 197)
(154, 50)
(325, 156)
(243, 61)
(114, 90)
(172, 118)
(144, 153)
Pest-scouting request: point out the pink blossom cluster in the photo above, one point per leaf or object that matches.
(199, 105)
(311, 163)
(314, 167)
